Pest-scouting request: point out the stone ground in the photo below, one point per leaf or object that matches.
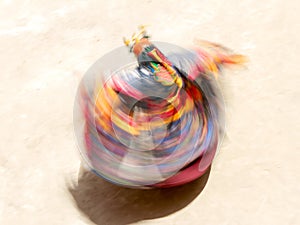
(47, 46)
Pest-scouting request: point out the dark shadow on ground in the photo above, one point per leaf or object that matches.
(107, 204)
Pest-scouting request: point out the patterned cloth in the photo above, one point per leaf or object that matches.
(157, 124)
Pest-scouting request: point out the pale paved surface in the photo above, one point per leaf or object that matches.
(46, 48)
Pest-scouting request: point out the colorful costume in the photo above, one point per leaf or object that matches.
(157, 123)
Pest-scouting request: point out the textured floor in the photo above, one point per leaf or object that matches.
(46, 47)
